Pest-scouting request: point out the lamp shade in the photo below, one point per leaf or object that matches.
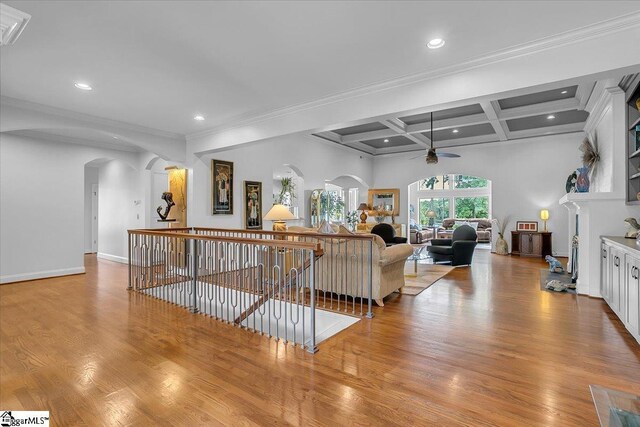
(431, 214)
(363, 207)
(544, 214)
(279, 213)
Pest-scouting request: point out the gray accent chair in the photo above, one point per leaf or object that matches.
(388, 234)
(458, 250)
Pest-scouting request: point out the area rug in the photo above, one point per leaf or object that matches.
(546, 276)
(428, 274)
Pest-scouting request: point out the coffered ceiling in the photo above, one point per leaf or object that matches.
(157, 64)
(529, 114)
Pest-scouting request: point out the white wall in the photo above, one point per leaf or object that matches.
(316, 160)
(120, 208)
(90, 178)
(42, 209)
(526, 175)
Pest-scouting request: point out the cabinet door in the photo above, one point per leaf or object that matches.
(605, 279)
(632, 297)
(536, 244)
(616, 266)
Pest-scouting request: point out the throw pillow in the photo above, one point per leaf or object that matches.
(326, 228)
(344, 230)
(458, 224)
(473, 225)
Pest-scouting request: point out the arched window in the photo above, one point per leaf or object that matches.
(450, 196)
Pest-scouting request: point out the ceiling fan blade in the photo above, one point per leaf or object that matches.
(448, 155)
(417, 157)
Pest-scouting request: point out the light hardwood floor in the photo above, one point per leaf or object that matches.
(483, 346)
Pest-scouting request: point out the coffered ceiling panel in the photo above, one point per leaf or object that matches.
(466, 110)
(368, 127)
(547, 120)
(393, 141)
(462, 132)
(539, 97)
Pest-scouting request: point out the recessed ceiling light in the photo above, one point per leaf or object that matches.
(563, 92)
(198, 118)
(455, 131)
(435, 44)
(386, 140)
(115, 137)
(83, 86)
(551, 117)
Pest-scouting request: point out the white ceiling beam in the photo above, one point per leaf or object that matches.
(492, 109)
(396, 124)
(454, 122)
(365, 136)
(331, 136)
(583, 93)
(466, 141)
(397, 149)
(537, 109)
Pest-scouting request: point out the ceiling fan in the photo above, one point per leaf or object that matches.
(431, 156)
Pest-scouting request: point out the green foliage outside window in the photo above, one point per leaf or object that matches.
(439, 182)
(466, 181)
(472, 207)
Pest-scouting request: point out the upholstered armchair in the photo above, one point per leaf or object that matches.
(458, 250)
(388, 234)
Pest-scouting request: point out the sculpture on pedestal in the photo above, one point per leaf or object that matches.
(167, 196)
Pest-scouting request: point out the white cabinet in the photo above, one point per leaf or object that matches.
(632, 286)
(620, 280)
(605, 276)
(616, 273)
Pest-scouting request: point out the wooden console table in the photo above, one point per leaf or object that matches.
(531, 243)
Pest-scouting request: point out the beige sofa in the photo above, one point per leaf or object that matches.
(483, 231)
(341, 275)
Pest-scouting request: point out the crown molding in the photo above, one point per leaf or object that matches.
(45, 136)
(68, 114)
(600, 29)
(602, 102)
(12, 23)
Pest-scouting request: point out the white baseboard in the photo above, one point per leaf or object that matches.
(41, 275)
(115, 258)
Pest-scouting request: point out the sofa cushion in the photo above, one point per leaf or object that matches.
(442, 250)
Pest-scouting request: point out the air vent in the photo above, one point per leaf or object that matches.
(12, 22)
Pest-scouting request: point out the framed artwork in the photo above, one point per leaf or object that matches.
(222, 187)
(527, 225)
(253, 205)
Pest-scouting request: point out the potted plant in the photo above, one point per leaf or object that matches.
(352, 219)
(288, 191)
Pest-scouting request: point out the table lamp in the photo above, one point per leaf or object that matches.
(279, 214)
(363, 216)
(544, 215)
(431, 215)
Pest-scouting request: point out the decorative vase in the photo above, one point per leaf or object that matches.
(582, 183)
(379, 219)
(501, 246)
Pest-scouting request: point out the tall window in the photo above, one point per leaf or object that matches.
(472, 207)
(452, 196)
(439, 206)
